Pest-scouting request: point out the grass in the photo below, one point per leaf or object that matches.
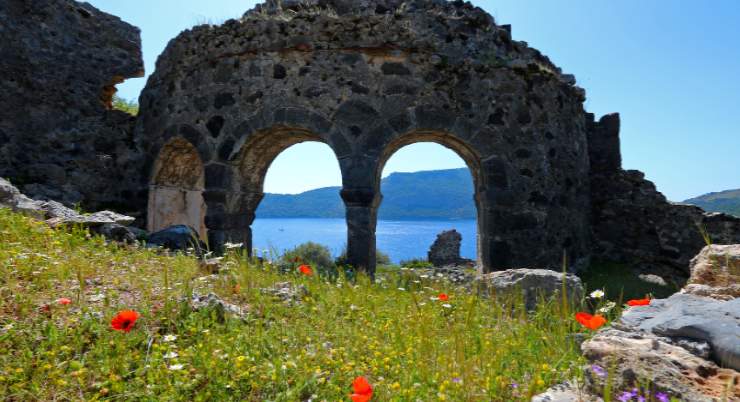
(406, 343)
(622, 283)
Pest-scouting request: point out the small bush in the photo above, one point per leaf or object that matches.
(310, 253)
(416, 263)
(128, 106)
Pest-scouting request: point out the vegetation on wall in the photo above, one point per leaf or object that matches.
(129, 106)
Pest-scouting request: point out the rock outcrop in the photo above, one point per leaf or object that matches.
(60, 61)
(54, 213)
(533, 284)
(446, 249)
(685, 346)
(110, 224)
(715, 272)
(177, 237)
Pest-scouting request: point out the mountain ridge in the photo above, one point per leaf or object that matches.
(727, 201)
(430, 194)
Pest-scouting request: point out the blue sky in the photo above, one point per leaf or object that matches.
(671, 68)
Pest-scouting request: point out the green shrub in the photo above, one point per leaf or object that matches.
(314, 254)
(416, 263)
(128, 106)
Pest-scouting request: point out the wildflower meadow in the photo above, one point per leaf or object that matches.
(84, 320)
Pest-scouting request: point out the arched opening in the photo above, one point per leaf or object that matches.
(301, 201)
(429, 184)
(176, 189)
(289, 183)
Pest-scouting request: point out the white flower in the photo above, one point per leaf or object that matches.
(170, 355)
(176, 367)
(597, 294)
(96, 298)
(401, 289)
(446, 305)
(353, 307)
(229, 246)
(607, 307)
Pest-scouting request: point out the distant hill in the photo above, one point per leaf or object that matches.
(433, 194)
(727, 201)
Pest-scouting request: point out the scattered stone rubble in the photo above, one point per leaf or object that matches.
(287, 292)
(110, 224)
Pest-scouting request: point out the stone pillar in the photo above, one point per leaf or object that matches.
(361, 213)
(229, 218)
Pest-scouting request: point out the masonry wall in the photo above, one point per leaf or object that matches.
(59, 63)
(632, 221)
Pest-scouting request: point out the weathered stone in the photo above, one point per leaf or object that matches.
(60, 62)
(715, 272)
(532, 283)
(287, 292)
(57, 214)
(637, 358)
(178, 237)
(199, 302)
(693, 317)
(565, 392)
(446, 249)
(116, 232)
(11, 197)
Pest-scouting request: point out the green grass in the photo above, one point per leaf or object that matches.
(618, 279)
(408, 345)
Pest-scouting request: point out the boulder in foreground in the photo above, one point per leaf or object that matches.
(533, 283)
(715, 272)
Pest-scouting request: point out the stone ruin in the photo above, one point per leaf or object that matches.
(365, 77)
(446, 249)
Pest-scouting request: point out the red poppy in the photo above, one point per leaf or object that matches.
(305, 270)
(638, 302)
(592, 322)
(443, 297)
(363, 390)
(124, 320)
(63, 301)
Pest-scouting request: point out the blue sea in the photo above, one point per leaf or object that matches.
(401, 240)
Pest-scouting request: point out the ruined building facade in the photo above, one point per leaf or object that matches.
(364, 77)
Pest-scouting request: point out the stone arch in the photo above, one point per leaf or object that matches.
(176, 188)
(472, 160)
(235, 189)
(439, 71)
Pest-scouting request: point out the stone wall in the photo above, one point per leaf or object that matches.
(367, 78)
(633, 222)
(59, 63)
